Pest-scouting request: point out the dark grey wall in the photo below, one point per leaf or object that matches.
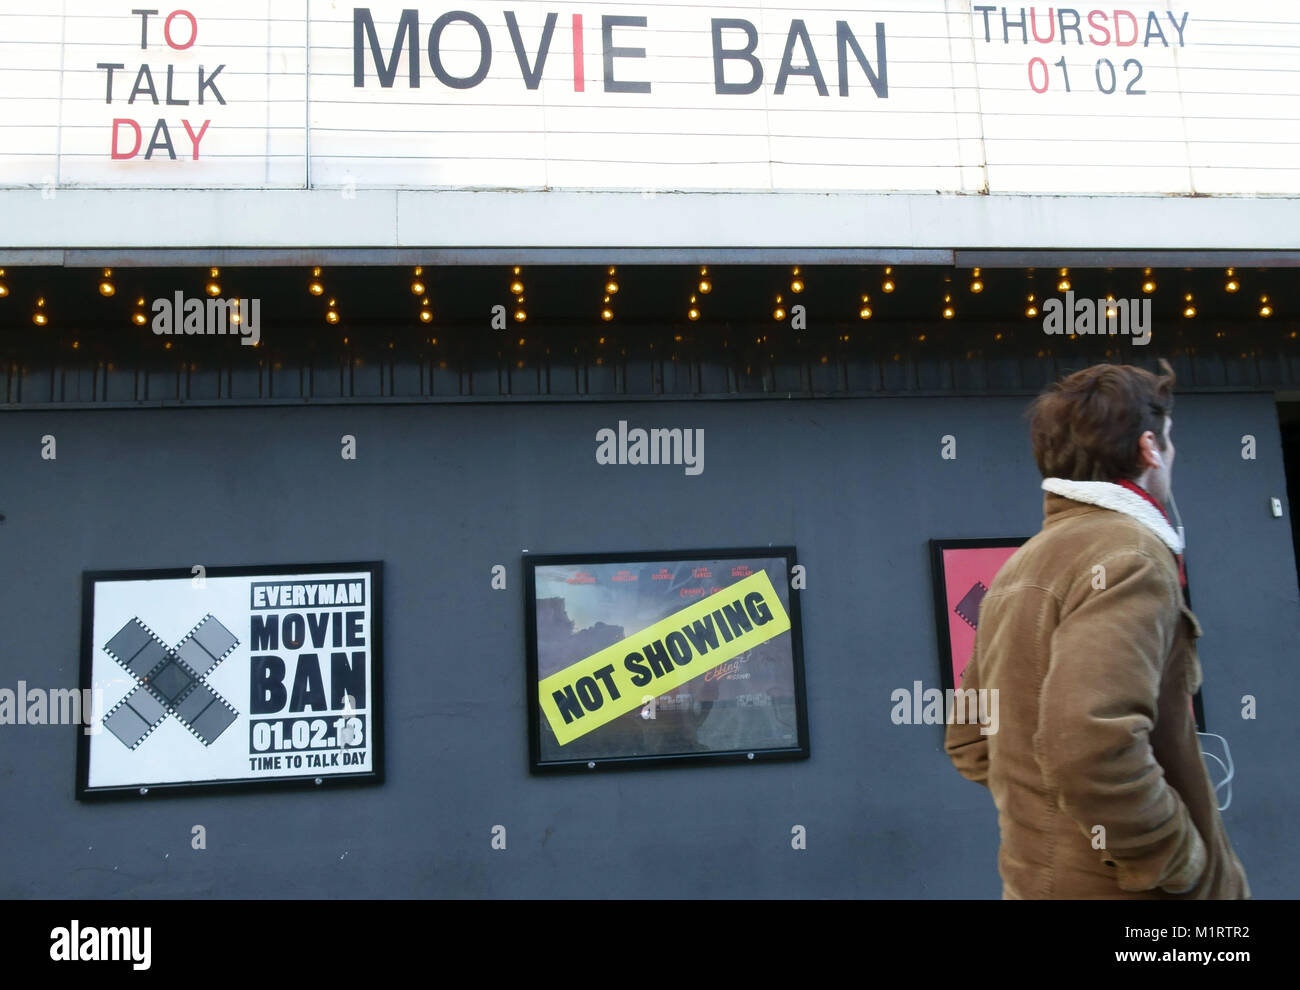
(441, 493)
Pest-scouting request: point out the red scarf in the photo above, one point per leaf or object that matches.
(1139, 490)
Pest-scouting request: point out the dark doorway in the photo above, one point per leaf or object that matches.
(1288, 415)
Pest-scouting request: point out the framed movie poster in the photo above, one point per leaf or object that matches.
(230, 677)
(963, 573)
(658, 658)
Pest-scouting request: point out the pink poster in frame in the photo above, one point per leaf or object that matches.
(963, 574)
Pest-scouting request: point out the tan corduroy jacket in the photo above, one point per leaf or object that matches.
(1086, 636)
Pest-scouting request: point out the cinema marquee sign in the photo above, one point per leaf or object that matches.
(536, 95)
(733, 40)
(231, 677)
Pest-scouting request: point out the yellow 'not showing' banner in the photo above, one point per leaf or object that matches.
(587, 694)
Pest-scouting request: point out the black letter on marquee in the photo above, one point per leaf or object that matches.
(144, 26)
(362, 21)
(721, 54)
(210, 83)
(266, 688)
(164, 142)
(607, 24)
(110, 66)
(800, 31)
(484, 45)
(534, 75)
(844, 39)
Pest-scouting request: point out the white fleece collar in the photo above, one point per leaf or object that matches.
(1120, 499)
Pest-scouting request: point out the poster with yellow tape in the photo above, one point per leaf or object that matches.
(664, 656)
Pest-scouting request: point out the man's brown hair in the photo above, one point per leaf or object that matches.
(1086, 427)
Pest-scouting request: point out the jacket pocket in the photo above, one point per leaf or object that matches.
(1191, 664)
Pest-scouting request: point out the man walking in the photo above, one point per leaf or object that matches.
(1096, 770)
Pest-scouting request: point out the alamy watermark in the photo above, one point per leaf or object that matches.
(196, 315)
(931, 706)
(52, 706)
(1098, 316)
(654, 446)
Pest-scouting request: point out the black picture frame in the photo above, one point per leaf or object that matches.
(942, 604)
(538, 764)
(327, 781)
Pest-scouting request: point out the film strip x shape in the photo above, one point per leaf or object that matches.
(170, 681)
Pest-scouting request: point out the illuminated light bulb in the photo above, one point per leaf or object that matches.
(1264, 308)
(1032, 311)
(864, 313)
(887, 285)
(4, 290)
(417, 287)
(315, 288)
(40, 319)
(516, 269)
(1189, 312)
(1063, 285)
(212, 289)
(606, 314)
(332, 316)
(106, 287)
(234, 318)
(948, 313)
(796, 285)
(778, 313)
(138, 318)
(611, 286)
(692, 313)
(976, 285)
(521, 341)
(705, 286)
(425, 316)
(1232, 285)
(520, 315)
(1149, 286)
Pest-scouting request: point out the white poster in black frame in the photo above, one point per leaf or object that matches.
(231, 678)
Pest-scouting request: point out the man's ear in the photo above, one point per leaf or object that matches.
(1150, 456)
